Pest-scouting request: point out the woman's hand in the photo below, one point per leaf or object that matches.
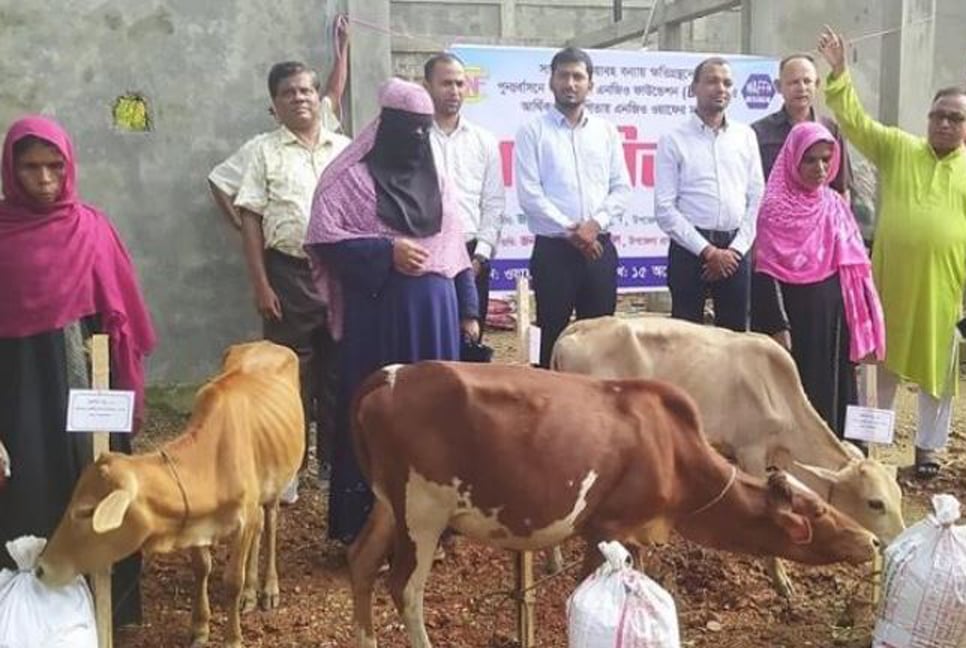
(409, 257)
(470, 328)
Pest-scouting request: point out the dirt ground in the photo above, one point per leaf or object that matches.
(724, 600)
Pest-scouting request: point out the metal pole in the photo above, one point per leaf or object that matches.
(618, 10)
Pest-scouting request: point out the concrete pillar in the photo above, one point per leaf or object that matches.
(917, 51)
(370, 60)
(670, 37)
(890, 62)
(508, 19)
(949, 60)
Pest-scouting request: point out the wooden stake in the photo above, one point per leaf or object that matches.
(101, 379)
(526, 597)
(870, 372)
(523, 320)
(526, 601)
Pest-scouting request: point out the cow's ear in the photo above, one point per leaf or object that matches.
(110, 512)
(796, 527)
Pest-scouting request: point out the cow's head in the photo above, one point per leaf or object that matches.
(103, 523)
(863, 489)
(810, 530)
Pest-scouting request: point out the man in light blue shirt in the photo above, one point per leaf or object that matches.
(572, 183)
(707, 190)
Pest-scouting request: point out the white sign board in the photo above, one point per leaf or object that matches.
(869, 424)
(94, 410)
(644, 94)
(533, 340)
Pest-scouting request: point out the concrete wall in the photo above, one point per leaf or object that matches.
(422, 27)
(903, 50)
(932, 56)
(202, 67)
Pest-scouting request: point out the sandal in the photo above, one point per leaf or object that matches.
(927, 463)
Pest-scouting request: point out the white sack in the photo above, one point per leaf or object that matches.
(619, 607)
(33, 615)
(924, 592)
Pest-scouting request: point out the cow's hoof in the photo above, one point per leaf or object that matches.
(199, 640)
(555, 562)
(248, 602)
(269, 600)
(784, 587)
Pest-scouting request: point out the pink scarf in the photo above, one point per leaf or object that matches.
(64, 261)
(806, 235)
(344, 207)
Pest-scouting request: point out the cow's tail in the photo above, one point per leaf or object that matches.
(373, 382)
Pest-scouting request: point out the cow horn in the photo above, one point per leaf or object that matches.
(110, 511)
(818, 472)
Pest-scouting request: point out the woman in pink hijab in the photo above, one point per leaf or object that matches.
(65, 275)
(386, 243)
(818, 298)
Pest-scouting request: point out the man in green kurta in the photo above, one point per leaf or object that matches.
(919, 255)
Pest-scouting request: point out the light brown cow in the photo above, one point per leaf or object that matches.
(752, 405)
(522, 459)
(221, 478)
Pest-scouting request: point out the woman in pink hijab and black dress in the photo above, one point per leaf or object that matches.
(817, 297)
(387, 246)
(65, 276)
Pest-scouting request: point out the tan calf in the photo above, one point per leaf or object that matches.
(220, 479)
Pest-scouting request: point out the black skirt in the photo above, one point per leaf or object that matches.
(36, 374)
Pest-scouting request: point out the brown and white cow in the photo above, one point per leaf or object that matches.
(220, 479)
(752, 406)
(522, 459)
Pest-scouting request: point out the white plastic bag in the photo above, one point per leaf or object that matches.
(619, 607)
(33, 615)
(924, 599)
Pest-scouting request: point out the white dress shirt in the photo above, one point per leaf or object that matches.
(470, 158)
(710, 180)
(566, 175)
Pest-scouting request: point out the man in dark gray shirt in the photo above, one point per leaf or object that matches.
(798, 82)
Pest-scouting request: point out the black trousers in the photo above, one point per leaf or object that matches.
(482, 286)
(689, 290)
(303, 328)
(565, 281)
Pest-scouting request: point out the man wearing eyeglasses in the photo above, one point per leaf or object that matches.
(919, 255)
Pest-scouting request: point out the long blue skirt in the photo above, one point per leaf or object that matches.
(410, 319)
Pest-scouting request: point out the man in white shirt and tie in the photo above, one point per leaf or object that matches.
(470, 158)
(572, 184)
(707, 190)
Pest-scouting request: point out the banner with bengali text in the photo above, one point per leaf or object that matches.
(645, 94)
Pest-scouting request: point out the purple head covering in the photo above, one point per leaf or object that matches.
(344, 206)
